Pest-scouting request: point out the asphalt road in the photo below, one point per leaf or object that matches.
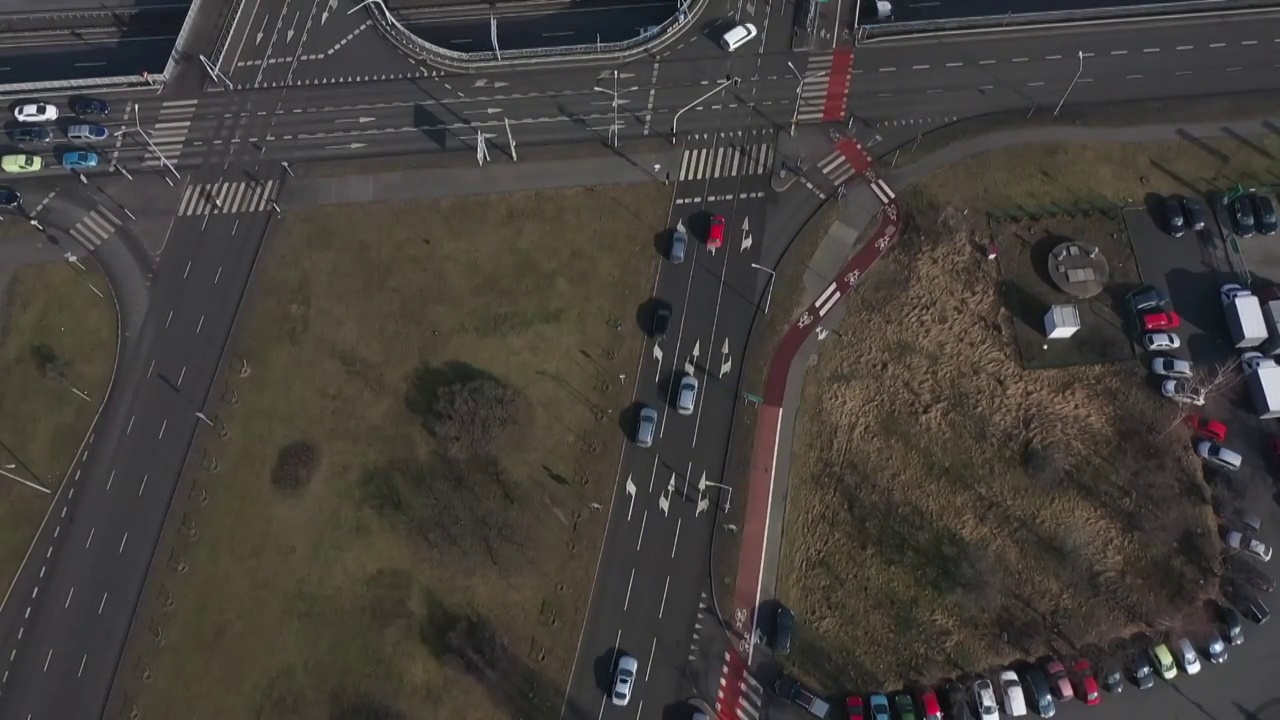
(918, 10)
(97, 44)
(580, 23)
(650, 579)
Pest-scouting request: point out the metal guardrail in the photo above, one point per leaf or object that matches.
(882, 30)
(418, 48)
(220, 47)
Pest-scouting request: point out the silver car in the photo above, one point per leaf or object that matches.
(679, 243)
(87, 133)
(1170, 367)
(624, 680)
(646, 426)
(1215, 454)
(687, 395)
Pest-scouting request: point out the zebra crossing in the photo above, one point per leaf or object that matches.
(826, 86)
(847, 159)
(169, 132)
(729, 155)
(98, 225)
(232, 197)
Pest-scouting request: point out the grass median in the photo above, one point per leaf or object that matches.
(402, 514)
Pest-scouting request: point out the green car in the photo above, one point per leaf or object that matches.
(906, 708)
(24, 163)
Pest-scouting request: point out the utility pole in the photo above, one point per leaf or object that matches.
(676, 120)
(613, 129)
(768, 295)
(493, 35)
(511, 140)
(795, 116)
(482, 150)
(1073, 84)
(214, 73)
(137, 127)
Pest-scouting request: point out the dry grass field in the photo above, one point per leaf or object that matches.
(950, 509)
(57, 334)
(405, 575)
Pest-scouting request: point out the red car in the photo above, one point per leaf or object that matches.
(854, 704)
(1204, 427)
(1086, 683)
(1167, 320)
(929, 701)
(715, 238)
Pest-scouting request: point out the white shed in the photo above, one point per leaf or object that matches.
(1062, 321)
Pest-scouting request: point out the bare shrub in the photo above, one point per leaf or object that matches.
(50, 364)
(470, 417)
(363, 706)
(296, 465)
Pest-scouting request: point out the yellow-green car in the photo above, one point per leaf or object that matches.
(1163, 660)
(24, 163)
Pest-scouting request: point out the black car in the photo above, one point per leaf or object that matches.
(783, 625)
(1231, 623)
(1247, 573)
(1174, 223)
(1264, 215)
(1148, 297)
(9, 198)
(957, 701)
(1144, 675)
(1033, 680)
(88, 107)
(1110, 677)
(1194, 211)
(661, 320)
(1255, 609)
(1242, 216)
(30, 135)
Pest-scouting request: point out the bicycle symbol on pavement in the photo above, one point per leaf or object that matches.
(805, 319)
(740, 618)
(852, 277)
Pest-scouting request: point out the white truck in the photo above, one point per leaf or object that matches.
(1244, 317)
(1262, 376)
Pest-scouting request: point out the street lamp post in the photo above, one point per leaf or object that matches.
(795, 116)
(137, 126)
(1073, 84)
(676, 120)
(769, 294)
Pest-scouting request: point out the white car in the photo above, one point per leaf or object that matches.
(985, 699)
(738, 36)
(36, 112)
(1181, 391)
(1190, 660)
(624, 680)
(1215, 454)
(1161, 341)
(1171, 367)
(1255, 547)
(687, 395)
(1015, 703)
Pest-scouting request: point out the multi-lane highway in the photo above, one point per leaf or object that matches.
(290, 63)
(43, 42)
(537, 25)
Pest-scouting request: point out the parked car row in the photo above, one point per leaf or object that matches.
(1248, 212)
(32, 133)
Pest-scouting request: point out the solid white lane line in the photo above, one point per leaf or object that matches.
(90, 540)
(143, 486)
(67, 604)
(652, 649)
(82, 662)
(163, 425)
(121, 550)
(663, 606)
(47, 659)
(643, 519)
(109, 479)
(676, 543)
(627, 600)
(103, 603)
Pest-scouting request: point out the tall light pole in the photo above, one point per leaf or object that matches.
(137, 127)
(768, 295)
(1073, 84)
(614, 93)
(795, 116)
(675, 121)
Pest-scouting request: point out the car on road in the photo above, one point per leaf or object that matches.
(1161, 341)
(784, 623)
(1171, 217)
(87, 132)
(1181, 391)
(1015, 703)
(905, 706)
(1264, 215)
(80, 159)
(1188, 657)
(646, 426)
(1148, 297)
(1163, 660)
(30, 135)
(1059, 683)
(1195, 212)
(929, 705)
(21, 163)
(715, 235)
(1111, 676)
(879, 707)
(90, 107)
(10, 198)
(679, 244)
(687, 395)
(1085, 683)
(738, 36)
(36, 112)
(1167, 320)
(1219, 456)
(1239, 542)
(1170, 367)
(1216, 648)
(1230, 619)
(624, 680)
(984, 698)
(1143, 674)
(661, 322)
(1242, 216)
(853, 707)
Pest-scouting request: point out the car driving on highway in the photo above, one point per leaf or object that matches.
(687, 395)
(646, 426)
(624, 680)
(715, 236)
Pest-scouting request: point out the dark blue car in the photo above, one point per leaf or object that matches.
(86, 107)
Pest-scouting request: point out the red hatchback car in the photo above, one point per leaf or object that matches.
(929, 701)
(1086, 683)
(1214, 430)
(854, 705)
(1167, 320)
(715, 238)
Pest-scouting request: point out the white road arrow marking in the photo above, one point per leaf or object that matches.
(664, 500)
(486, 111)
(482, 82)
(703, 500)
(823, 333)
(348, 146)
(689, 367)
(360, 120)
(325, 15)
(657, 355)
(746, 240)
(262, 31)
(726, 362)
(609, 73)
(631, 491)
(288, 38)
(697, 349)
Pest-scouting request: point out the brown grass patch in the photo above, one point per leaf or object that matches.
(950, 509)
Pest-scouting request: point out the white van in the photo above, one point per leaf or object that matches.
(738, 36)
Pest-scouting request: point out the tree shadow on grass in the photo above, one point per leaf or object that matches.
(429, 380)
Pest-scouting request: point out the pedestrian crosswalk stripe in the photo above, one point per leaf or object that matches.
(224, 198)
(93, 228)
(169, 132)
(725, 161)
(837, 167)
